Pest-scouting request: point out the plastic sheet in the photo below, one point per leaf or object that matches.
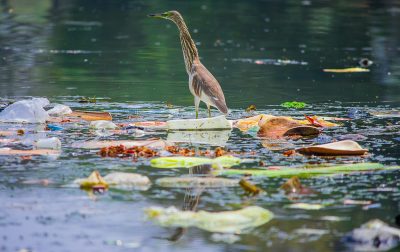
(27, 111)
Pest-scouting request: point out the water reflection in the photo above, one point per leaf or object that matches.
(192, 197)
(213, 138)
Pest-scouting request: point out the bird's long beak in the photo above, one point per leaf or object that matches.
(156, 15)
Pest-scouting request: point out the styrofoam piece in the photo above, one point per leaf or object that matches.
(59, 110)
(212, 123)
(26, 111)
(211, 137)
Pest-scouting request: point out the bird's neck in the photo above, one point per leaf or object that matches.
(189, 49)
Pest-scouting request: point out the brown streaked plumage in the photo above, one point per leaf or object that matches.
(202, 83)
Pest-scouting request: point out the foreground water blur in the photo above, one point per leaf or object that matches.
(109, 49)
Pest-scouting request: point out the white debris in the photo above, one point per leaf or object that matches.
(102, 124)
(59, 110)
(27, 111)
(48, 143)
(218, 122)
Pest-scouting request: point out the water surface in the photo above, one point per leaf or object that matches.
(262, 52)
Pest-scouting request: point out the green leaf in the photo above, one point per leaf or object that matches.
(307, 172)
(186, 162)
(294, 104)
(222, 222)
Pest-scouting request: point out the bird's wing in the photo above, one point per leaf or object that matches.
(204, 81)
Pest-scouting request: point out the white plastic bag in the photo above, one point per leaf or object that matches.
(59, 110)
(29, 111)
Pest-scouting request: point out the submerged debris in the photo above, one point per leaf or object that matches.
(221, 222)
(374, 235)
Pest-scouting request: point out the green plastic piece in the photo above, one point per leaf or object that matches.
(308, 172)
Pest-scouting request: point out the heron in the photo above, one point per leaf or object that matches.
(202, 84)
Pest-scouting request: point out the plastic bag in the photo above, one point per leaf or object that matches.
(59, 110)
(29, 111)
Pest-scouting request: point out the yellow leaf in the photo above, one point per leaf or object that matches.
(347, 70)
(95, 179)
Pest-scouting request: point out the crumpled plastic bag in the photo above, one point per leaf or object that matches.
(27, 111)
(59, 110)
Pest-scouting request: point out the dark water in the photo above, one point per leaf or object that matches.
(110, 49)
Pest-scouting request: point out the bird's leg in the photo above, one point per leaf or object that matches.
(209, 110)
(196, 105)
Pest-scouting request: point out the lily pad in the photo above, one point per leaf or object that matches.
(222, 222)
(183, 182)
(186, 162)
(346, 147)
(307, 172)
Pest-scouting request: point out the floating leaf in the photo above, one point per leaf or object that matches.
(276, 127)
(251, 108)
(94, 180)
(346, 147)
(346, 70)
(185, 162)
(307, 172)
(87, 99)
(249, 188)
(301, 131)
(91, 115)
(306, 206)
(222, 222)
(293, 185)
(294, 104)
(178, 182)
(250, 122)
